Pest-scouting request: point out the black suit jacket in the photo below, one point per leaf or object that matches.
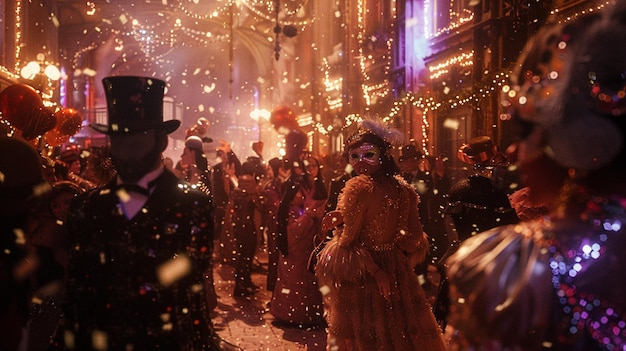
(114, 282)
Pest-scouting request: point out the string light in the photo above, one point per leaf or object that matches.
(575, 15)
(463, 60)
(18, 33)
(371, 92)
(332, 87)
(427, 21)
(265, 9)
(457, 20)
(5, 72)
(460, 21)
(200, 15)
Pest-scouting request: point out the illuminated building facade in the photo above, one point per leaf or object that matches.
(433, 68)
(467, 49)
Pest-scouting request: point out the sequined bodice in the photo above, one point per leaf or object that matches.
(386, 217)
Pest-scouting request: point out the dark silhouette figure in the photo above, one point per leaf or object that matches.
(140, 259)
(475, 204)
(22, 181)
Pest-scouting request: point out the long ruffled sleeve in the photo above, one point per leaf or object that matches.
(413, 241)
(344, 258)
(352, 204)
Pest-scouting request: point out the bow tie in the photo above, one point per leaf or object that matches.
(133, 188)
(137, 188)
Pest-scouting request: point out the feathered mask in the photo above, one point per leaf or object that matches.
(375, 131)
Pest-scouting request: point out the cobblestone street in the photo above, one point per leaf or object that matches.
(247, 323)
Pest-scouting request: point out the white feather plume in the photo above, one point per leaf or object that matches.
(391, 135)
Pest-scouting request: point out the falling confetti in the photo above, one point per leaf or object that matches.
(173, 270)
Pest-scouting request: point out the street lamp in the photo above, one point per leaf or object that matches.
(41, 75)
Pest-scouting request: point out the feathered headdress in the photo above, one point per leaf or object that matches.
(375, 131)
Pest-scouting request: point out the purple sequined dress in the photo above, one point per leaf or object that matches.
(556, 283)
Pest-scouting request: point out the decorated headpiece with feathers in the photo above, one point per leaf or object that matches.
(376, 132)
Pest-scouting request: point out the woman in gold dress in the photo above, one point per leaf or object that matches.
(371, 293)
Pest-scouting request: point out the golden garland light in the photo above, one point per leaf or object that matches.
(457, 20)
(463, 60)
(581, 13)
(381, 89)
(332, 87)
(266, 10)
(426, 104)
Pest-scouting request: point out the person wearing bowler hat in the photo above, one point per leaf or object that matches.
(71, 169)
(139, 275)
(71, 158)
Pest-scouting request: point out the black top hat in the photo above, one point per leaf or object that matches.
(134, 104)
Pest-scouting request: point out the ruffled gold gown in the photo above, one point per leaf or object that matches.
(381, 230)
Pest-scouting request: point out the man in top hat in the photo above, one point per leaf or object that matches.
(140, 264)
